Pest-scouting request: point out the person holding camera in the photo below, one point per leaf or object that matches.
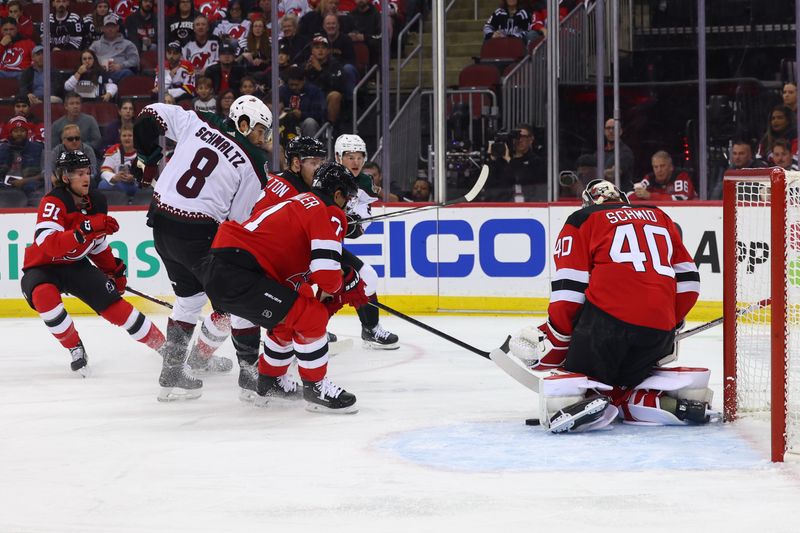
(115, 172)
(516, 172)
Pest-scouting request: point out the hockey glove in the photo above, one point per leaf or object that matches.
(96, 227)
(541, 348)
(352, 292)
(120, 280)
(146, 168)
(354, 229)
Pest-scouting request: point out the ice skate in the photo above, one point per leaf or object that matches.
(325, 397)
(271, 389)
(379, 338)
(79, 362)
(573, 417)
(176, 384)
(248, 380)
(213, 365)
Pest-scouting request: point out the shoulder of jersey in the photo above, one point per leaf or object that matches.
(187, 65)
(111, 150)
(61, 194)
(582, 215)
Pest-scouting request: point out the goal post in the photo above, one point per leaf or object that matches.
(761, 300)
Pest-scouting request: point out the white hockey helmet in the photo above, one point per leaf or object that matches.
(254, 110)
(349, 143)
(599, 191)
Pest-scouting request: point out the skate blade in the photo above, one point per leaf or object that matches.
(341, 345)
(84, 371)
(369, 345)
(174, 394)
(246, 395)
(566, 421)
(317, 408)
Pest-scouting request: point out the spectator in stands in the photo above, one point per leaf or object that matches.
(93, 22)
(297, 45)
(420, 191)
(203, 50)
(780, 126)
(250, 87)
(15, 51)
(22, 108)
(303, 103)
(365, 20)
(538, 28)
(342, 49)
(742, 156)
(625, 156)
(311, 22)
(205, 101)
(21, 157)
(140, 26)
(224, 103)
(25, 27)
(70, 137)
(91, 81)
(373, 170)
(123, 9)
(31, 81)
(226, 74)
(665, 183)
(181, 26)
(67, 31)
(117, 54)
(178, 77)
(782, 155)
(789, 95)
(508, 20)
(86, 123)
(255, 52)
(127, 113)
(234, 29)
(516, 173)
(115, 172)
(326, 73)
(574, 183)
(297, 8)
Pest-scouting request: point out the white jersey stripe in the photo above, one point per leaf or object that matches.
(580, 276)
(567, 296)
(324, 264)
(684, 267)
(688, 286)
(324, 244)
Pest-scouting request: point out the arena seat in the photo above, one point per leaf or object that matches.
(502, 50)
(137, 87)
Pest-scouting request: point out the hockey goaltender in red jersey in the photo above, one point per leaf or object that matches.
(622, 286)
(262, 270)
(72, 226)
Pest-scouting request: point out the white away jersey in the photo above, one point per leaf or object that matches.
(213, 173)
(201, 57)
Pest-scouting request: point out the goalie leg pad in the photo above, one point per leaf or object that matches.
(689, 383)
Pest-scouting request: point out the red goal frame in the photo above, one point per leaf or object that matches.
(777, 179)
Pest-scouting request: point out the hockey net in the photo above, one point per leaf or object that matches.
(762, 301)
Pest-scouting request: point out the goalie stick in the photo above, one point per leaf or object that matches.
(468, 197)
(500, 356)
(717, 321)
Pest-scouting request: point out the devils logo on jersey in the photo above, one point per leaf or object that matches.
(12, 59)
(298, 279)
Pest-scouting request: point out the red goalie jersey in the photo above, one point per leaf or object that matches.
(629, 261)
(295, 241)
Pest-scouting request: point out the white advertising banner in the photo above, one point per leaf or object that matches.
(475, 253)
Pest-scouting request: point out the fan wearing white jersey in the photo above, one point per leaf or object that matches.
(351, 151)
(215, 174)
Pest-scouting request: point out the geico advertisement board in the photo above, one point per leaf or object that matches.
(471, 251)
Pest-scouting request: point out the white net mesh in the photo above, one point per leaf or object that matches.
(753, 286)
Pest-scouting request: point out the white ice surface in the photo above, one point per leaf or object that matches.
(438, 445)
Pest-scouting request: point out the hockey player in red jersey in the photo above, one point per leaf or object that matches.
(72, 226)
(263, 269)
(623, 285)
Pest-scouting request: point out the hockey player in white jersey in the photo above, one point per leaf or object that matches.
(215, 174)
(351, 152)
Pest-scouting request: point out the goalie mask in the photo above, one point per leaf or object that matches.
(600, 191)
(254, 111)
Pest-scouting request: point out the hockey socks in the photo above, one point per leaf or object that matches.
(215, 328)
(47, 302)
(368, 314)
(121, 313)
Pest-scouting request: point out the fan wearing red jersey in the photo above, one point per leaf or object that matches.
(623, 284)
(72, 226)
(262, 270)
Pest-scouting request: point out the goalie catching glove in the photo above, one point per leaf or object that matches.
(541, 348)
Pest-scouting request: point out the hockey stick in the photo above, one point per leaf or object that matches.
(500, 356)
(471, 194)
(148, 297)
(717, 321)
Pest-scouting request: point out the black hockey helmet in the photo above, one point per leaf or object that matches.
(599, 191)
(70, 161)
(303, 147)
(331, 177)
